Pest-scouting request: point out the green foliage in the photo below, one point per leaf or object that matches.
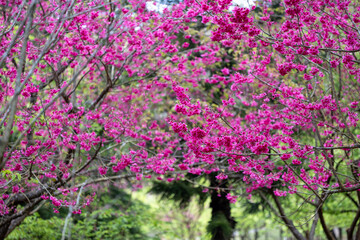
(100, 224)
(219, 221)
(9, 175)
(179, 191)
(34, 227)
(252, 207)
(110, 224)
(115, 215)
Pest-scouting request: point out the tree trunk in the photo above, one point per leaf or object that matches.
(14, 219)
(3, 230)
(220, 210)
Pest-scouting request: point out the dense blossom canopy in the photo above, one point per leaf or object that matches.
(102, 90)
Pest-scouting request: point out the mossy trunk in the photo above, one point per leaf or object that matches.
(222, 224)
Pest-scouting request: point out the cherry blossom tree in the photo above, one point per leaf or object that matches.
(96, 91)
(297, 84)
(78, 89)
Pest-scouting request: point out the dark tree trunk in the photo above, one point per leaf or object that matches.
(3, 230)
(221, 210)
(9, 222)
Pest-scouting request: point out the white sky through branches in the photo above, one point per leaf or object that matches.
(160, 7)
